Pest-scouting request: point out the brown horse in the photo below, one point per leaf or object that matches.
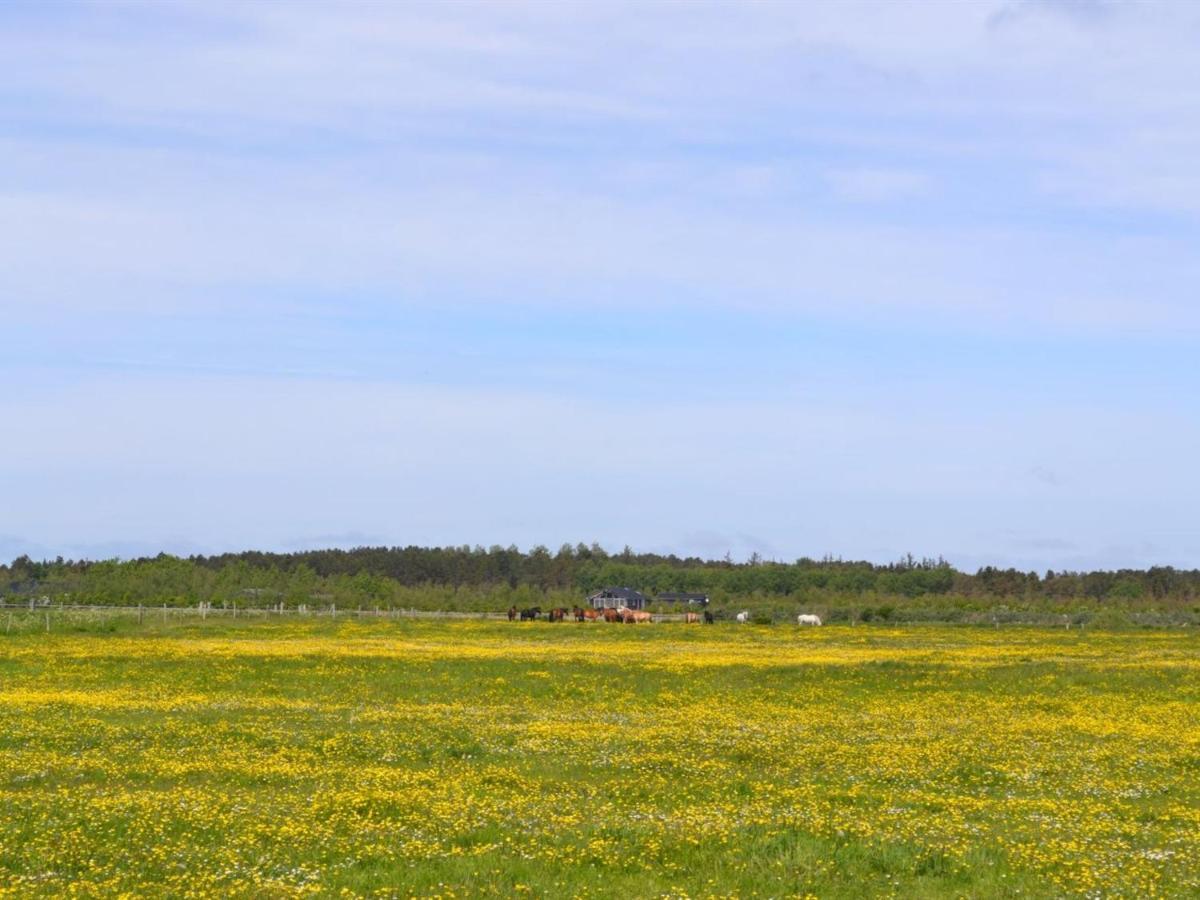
(591, 615)
(611, 615)
(512, 613)
(558, 614)
(634, 617)
(577, 612)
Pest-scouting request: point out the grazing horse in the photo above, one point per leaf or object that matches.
(691, 618)
(591, 615)
(512, 613)
(577, 613)
(531, 613)
(611, 615)
(634, 617)
(744, 616)
(558, 614)
(808, 619)
(708, 618)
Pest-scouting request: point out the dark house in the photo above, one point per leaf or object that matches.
(679, 597)
(611, 598)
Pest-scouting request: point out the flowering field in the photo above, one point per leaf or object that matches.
(401, 758)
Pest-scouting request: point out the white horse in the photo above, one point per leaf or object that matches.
(743, 616)
(808, 619)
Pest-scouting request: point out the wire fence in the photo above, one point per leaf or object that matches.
(167, 612)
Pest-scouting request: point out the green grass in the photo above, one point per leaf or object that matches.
(400, 758)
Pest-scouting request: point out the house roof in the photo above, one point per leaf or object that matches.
(621, 593)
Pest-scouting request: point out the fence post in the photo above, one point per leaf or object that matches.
(139, 614)
(333, 610)
(47, 621)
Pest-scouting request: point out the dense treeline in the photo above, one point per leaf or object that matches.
(425, 576)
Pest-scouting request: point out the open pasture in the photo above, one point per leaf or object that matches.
(466, 758)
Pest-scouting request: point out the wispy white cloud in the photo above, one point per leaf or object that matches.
(878, 185)
(244, 151)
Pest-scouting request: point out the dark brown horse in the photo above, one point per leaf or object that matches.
(558, 614)
(611, 615)
(512, 613)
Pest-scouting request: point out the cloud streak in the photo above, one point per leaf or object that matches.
(381, 148)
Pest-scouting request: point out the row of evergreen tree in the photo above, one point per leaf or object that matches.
(381, 574)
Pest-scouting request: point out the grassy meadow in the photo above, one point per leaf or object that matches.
(470, 758)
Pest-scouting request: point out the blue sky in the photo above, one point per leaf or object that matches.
(849, 278)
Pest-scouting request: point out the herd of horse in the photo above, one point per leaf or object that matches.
(629, 616)
(579, 614)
